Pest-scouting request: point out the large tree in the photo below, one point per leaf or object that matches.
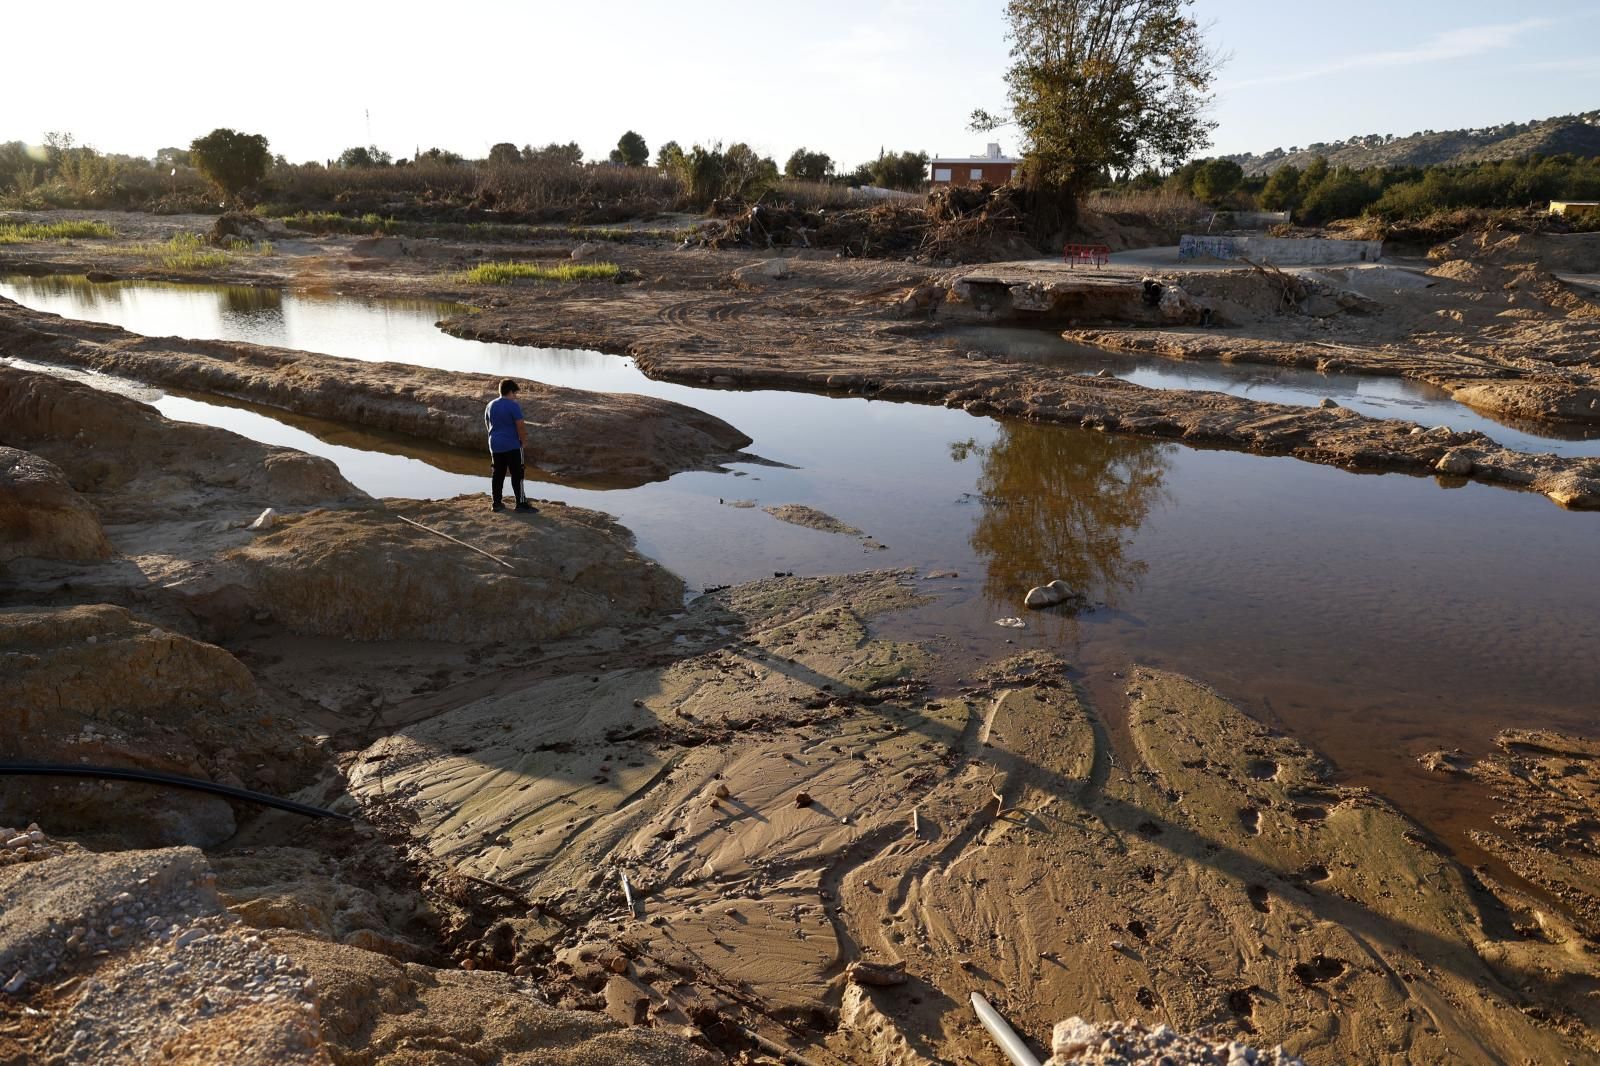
(808, 165)
(631, 151)
(1098, 84)
(234, 162)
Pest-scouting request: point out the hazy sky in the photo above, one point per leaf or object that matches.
(842, 77)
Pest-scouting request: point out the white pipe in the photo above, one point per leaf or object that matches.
(627, 892)
(1003, 1034)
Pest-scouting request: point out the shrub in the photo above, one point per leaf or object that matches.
(711, 174)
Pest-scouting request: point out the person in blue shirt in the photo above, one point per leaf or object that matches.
(508, 435)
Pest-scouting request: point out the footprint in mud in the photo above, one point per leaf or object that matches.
(1262, 769)
(1250, 819)
(1242, 1001)
(1309, 814)
(1321, 968)
(1260, 898)
(1310, 875)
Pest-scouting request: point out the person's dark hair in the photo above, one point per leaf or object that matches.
(507, 386)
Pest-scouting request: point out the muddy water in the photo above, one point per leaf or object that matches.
(1379, 397)
(1374, 616)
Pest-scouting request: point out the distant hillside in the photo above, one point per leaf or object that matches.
(1578, 135)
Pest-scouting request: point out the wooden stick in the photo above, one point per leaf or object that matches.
(453, 540)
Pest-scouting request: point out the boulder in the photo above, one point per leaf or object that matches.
(1057, 592)
(41, 515)
(757, 273)
(586, 250)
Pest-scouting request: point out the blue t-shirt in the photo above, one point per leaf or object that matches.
(502, 416)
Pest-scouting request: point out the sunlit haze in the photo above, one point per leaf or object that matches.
(844, 78)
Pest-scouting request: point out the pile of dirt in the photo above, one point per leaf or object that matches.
(471, 576)
(96, 685)
(41, 515)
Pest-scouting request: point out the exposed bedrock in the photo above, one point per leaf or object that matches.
(587, 436)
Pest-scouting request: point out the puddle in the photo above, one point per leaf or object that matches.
(1374, 616)
(1378, 397)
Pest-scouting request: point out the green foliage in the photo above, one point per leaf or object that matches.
(1098, 84)
(504, 273)
(809, 166)
(21, 232)
(504, 153)
(667, 154)
(631, 151)
(186, 252)
(234, 162)
(710, 174)
(441, 155)
(1216, 178)
(568, 154)
(370, 156)
(907, 171)
(1282, 190)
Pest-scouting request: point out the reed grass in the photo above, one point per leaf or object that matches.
(504, 273)
(20, 232)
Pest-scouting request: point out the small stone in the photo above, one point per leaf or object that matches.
(1328, 403)
(264, 520)
(802, 799)
(13, 986)
(720, 790)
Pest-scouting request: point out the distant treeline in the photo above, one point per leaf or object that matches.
(1320, 194)
(523, 184)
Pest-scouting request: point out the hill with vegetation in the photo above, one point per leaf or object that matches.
(1576, 135)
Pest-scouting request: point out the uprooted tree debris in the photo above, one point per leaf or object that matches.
(974, 223)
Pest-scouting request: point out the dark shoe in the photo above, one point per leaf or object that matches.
(524, 505)
(498, 506)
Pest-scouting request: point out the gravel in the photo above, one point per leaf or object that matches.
(1082, 1043)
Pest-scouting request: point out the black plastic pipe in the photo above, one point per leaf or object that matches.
(155, 777)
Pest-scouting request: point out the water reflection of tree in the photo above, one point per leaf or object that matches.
(1062, 503)
(248, 300)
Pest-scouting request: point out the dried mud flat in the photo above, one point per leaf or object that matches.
(826, 852)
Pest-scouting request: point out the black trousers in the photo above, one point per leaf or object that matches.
(508, 463)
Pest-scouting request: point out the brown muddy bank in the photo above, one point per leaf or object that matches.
(613, 438)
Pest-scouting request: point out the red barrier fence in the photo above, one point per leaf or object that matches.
(1093, 254)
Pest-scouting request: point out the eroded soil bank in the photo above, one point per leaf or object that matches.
(609, 438)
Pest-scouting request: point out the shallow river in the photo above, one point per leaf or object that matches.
(1374, 616)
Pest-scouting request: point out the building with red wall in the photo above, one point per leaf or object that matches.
(992, 167)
